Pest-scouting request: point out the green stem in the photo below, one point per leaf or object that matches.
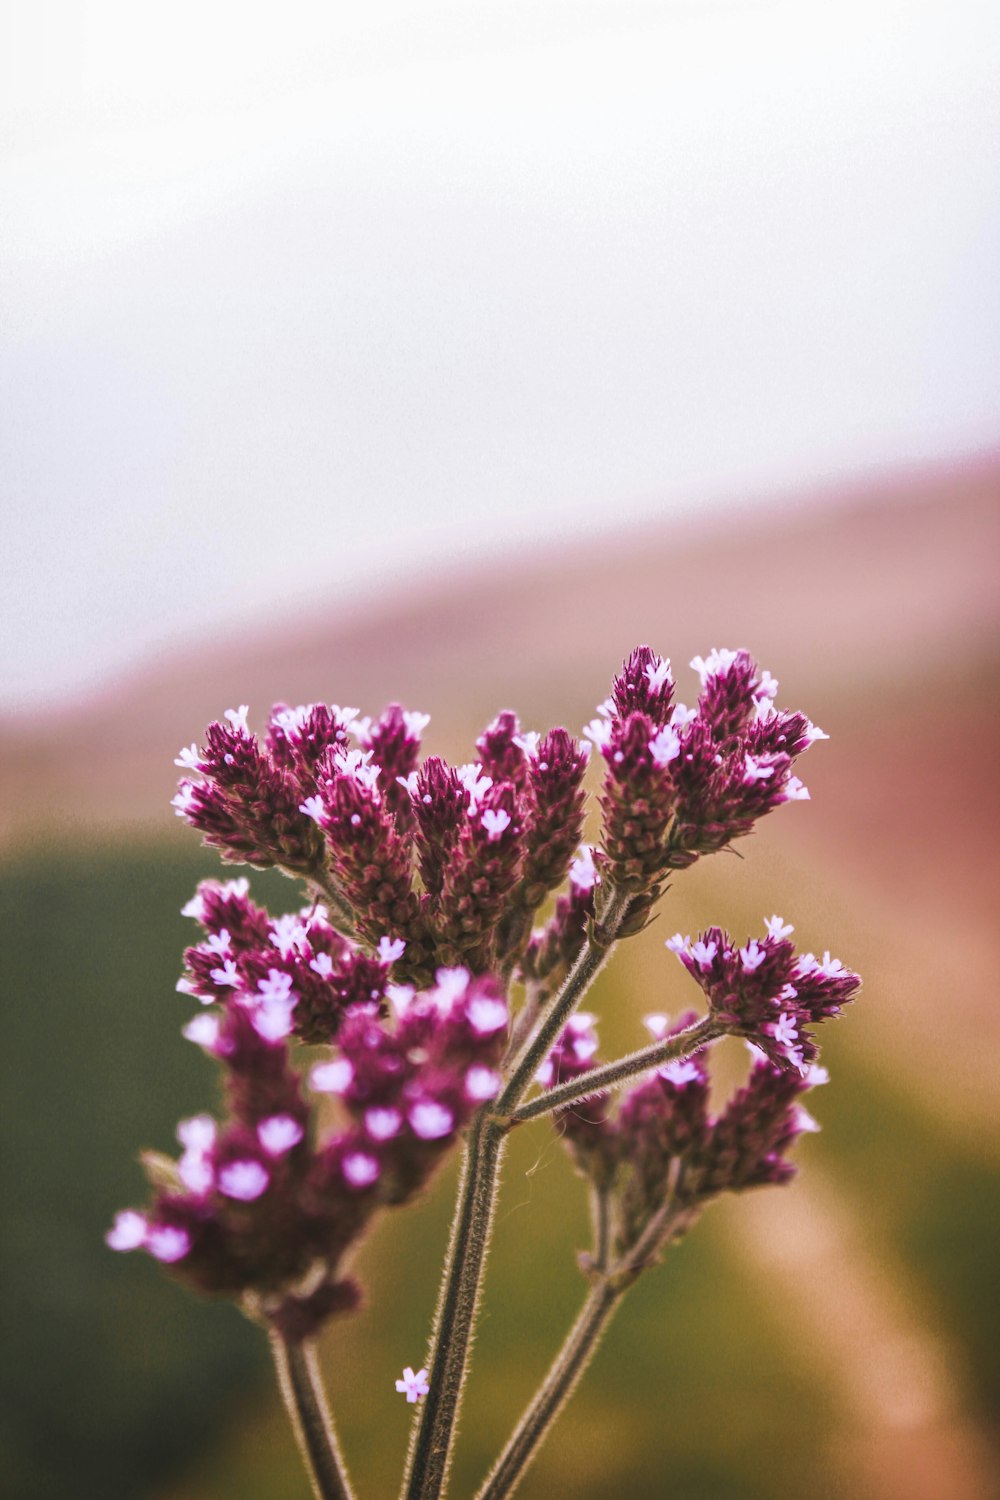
(593, 955)
(302, 1388)
(429, 1458)
(682, 1044)
(609, 1287)
(554, 1391)
(430, 1449)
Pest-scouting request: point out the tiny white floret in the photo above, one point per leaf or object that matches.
(279, 1133)
(752, 956)
(481, 1083)
(496, 821)
(703, 953)
(680, 1072)
(665, 746)
(331, 1077)
(754, 771)
(431, 1120)
(486, 1015)
(197, 1133)
(244, 1180)
(128, 1231)
(167, 1242)
(450, 984)
(413, 1385)
(784, 1030)
(228, 974)
(360, 1169)
(583, 872)
(415, 722)
(382, 1122)
(238, 718)
(203, 1030)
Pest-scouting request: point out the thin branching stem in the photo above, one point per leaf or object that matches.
(609, 1286)
(682, 1044)
(555, 1390)
(430, 1448)
(594, 954)
(429, 1458)
(302, 1388)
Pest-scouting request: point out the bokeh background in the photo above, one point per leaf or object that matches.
(443, 356)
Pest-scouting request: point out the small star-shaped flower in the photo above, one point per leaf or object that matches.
(413, 1385)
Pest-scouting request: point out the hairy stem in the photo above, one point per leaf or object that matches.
(609, 1287)
(555, 1390)
(682, 1044)
(430, 1448)
(302, 1388)
(593, 955)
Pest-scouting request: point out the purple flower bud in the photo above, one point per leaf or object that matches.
(765, 992)
(644, 685)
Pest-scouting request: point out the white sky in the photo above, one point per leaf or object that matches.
(299, 300)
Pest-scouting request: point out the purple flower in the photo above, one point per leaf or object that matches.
(766, 992)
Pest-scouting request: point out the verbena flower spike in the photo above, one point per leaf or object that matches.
(448, 1015)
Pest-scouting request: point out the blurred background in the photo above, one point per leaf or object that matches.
(443, 354)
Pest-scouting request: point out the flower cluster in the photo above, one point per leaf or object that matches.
(265, 1206)
(293, 974)
(765, 991)
(662, 1155)
(682, 782)
(450, 860)
(423, 880)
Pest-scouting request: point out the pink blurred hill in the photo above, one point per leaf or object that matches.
(878, 605)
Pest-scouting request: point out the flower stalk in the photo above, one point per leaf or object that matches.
(301, 1386)
(431, 1444)
(677, 1047)
(600, 1305)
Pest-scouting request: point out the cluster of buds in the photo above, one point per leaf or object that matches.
(455, 860)
(662, 1155)
(765, 991)
(682, 782)
(452, 861)
(265, 1206)
(294, 975)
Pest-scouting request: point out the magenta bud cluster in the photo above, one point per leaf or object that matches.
(681, 782)
(765, 991)
(452, 860)
(267, 1203)
(423, 879)
(661, 1154)
(294, 974)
